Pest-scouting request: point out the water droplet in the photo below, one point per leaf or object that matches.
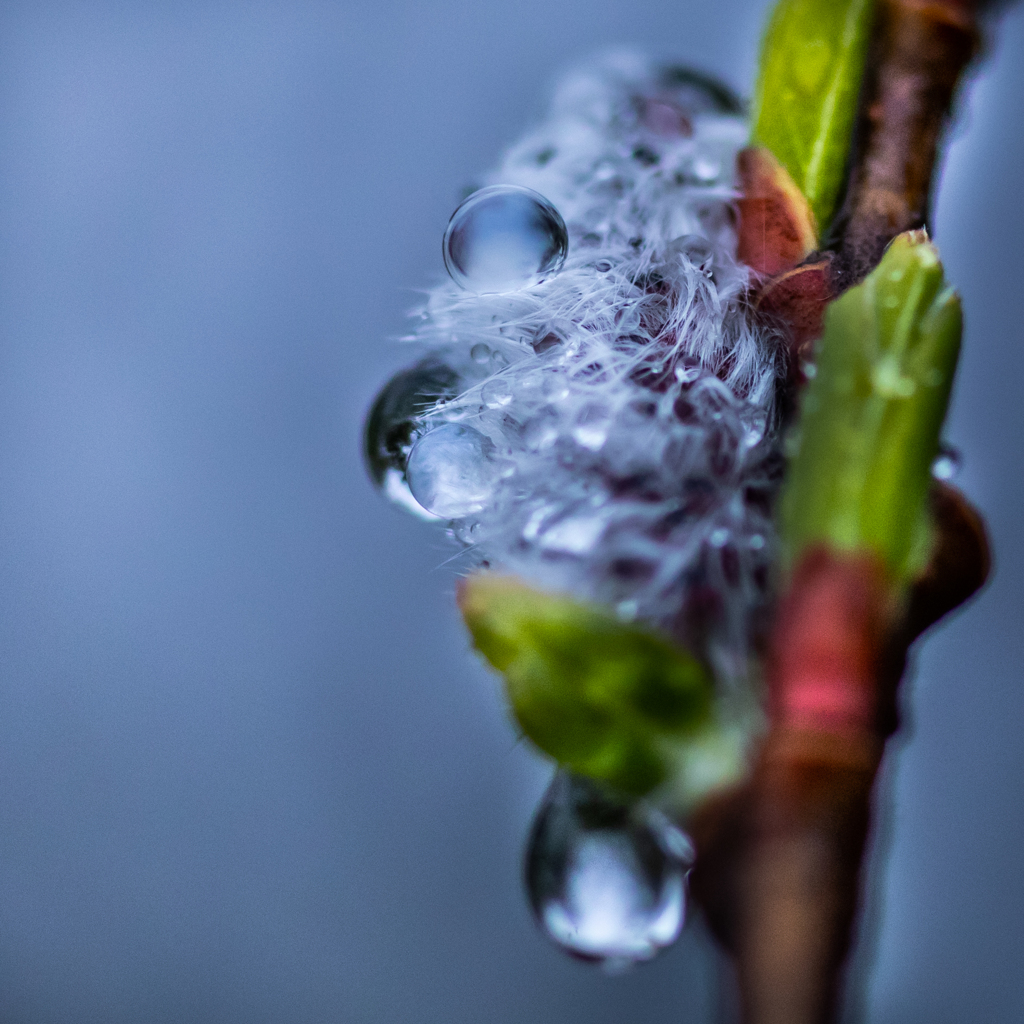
(480, 353)
(606, 880)
(535, 522)
(705, 170)
(754, 430)
(663, 117)
(392, 426)
(576, 535)
(497, 393)
(719, 537)
(947, 463)
(541, 432)
(698, 93)
(502, 238)
(591, 435)
(451, 472)
(467, 532)
(889, 381)
(592, 425)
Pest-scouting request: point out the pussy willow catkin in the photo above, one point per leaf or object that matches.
(608, 428)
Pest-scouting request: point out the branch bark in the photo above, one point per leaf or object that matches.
(919, 50)
(779, 859)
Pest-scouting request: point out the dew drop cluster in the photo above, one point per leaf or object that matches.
(592, 406)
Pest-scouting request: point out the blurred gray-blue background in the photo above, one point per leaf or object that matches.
(249, 771)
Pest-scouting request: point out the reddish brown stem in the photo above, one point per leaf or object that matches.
(792, 840)
(919, 50)
(779, 860)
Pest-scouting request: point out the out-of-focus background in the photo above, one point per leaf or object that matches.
(249, 771)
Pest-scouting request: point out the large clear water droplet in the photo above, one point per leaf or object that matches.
(392, 425)
(606, 880)
(504, 237)
(451, 470)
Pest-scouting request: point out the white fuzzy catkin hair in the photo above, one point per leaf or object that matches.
(628, 400)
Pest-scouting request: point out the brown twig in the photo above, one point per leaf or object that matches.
(779, 860)
(918, 52)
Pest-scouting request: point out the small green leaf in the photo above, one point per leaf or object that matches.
(870, 417)
(606, 699)
(805, 103)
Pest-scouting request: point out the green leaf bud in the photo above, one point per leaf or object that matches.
(805, 101)
(860, 458)
(607, 699)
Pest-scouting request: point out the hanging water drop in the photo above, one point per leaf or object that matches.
(392, 425)
(606, 880)
(451, 472)
(504, 237)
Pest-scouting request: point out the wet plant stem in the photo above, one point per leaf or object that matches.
(779, 860)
